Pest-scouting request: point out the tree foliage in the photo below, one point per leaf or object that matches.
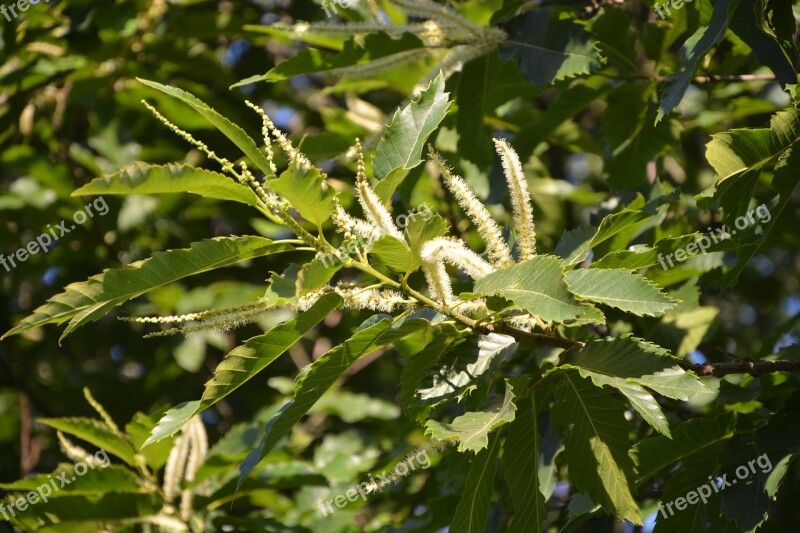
(552, 239)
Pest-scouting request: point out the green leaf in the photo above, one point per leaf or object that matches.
(472, 512)
(692, 51)
(623, 289)
(470, 365)
(142, 178)
(420, 231)
(307, 191)
(593, 425)
(785, 181)
(702, 439)
(243, 363)
(375, 46)
(752, 25)
(96, 433)
(89, 300)
(521, 466)
(472, 429)
(628, 360)
(320, 375)
(537, 286)
(421, 364)
(233, 132)
(314, 275)
(474, 86)
(549, 48)
(575, 245)
(393, 253)
(95, 480)
(401, 146)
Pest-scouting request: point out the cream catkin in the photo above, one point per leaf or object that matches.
(499, 253)
(295, 155)
(73, 451)
(373, 207)
(352, 227)
(456, 253)
(198, 448)
(520, 199)
(176, 463)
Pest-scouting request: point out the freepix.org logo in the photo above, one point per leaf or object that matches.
(13, 10)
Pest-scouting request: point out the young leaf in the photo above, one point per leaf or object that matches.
(318, 377)
(596, 435)
(400, 149)
(231, 130)
(623, 289)
(472, 429)
(538, 286)
(472, 512)
(307, 191)
(243, 363)
(89, 300)
(142, 178)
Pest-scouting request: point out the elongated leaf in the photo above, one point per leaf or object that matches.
(89, 300)
(307, 191)
(693, 50)
(521, 466)
(596, 436)
(233, 132)
(243, 363)
(142, 178)
(538, 286)
(400, 149)
(95, 433)
(623, 289)
(631, 361)
(318, 377)
(549, 48)
(472, 429)
(376, 46)
(472, 512)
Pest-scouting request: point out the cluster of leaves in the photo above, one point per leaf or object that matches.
(569, 364)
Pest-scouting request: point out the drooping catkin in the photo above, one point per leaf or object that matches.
(520, 199)
(499, 253)
(373, 207)
(456, 253)
(176, 464)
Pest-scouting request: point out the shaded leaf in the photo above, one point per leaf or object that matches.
(549, 48)
(472, 512)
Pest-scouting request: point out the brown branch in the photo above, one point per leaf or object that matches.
(745, 366)
(740, 366)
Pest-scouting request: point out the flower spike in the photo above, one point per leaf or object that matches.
(520, 199)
